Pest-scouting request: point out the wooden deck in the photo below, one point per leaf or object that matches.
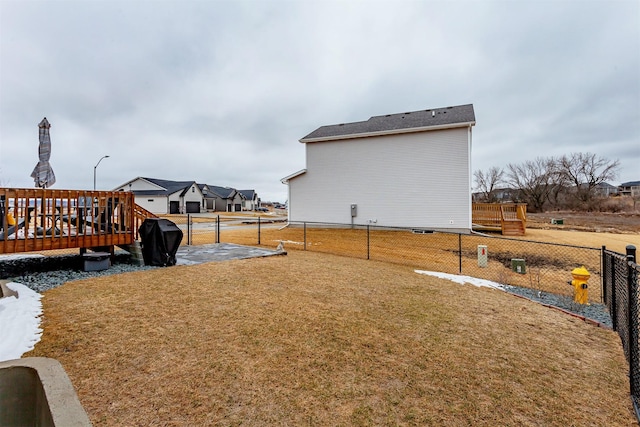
(510, 219)
(46, 219)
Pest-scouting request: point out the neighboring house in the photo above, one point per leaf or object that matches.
(251, 200)
(214, 201)
(162, 196)
(399, 170)
(605, 189)
(222, 199)
(631, 188)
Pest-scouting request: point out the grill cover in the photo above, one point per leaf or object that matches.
(160, 240)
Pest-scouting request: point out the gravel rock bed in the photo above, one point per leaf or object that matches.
(42, 274)
(593, 311)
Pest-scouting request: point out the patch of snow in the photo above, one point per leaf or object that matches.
(290, 242)
(19, 322)
(464, 279)
(19, 256)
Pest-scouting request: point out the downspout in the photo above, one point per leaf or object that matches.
(469, 168)
(286, 182)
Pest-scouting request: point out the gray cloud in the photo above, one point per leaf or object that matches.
(220, 92)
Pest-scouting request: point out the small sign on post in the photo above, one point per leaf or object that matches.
(482, 255)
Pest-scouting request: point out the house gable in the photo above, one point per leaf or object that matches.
(140, 184)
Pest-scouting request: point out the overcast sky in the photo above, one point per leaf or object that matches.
(220, 92)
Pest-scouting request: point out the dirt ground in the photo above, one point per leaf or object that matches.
(615, 231)
(600, 222)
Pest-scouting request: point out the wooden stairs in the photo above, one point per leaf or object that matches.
(513, 227)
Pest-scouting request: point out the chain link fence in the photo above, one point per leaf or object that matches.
(621, 281)
(541, 266)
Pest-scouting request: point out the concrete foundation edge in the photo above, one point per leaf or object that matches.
(59, 394)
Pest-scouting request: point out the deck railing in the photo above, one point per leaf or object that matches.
(44, 219)
(495, 215)
(139, 215)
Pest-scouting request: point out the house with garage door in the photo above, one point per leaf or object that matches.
(409, 169)
(162, 196)
(223, 199)
(251, 200)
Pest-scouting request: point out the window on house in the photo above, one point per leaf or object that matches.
(149, 200)
(193, 189)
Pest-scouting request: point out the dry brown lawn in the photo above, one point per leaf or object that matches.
(439, 251)
(318, 339)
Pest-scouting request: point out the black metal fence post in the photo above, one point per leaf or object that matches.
(460, 252)
(258, 230)
(305, 235)
(609, 272)
(368, 241)
(218, 229)
(632, 313)
(188, 229)
(603, 292)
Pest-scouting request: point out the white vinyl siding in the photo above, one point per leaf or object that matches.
(139, 185)
(408, 180)
(193, 194)
(154, 204)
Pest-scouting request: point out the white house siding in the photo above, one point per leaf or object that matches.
(407, 180)
(248, 205)
(193, 194)
(139, 185)
(154, 204)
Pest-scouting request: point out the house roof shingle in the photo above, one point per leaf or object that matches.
(456, 116)
(170, 187)
(222, 192)
(248, 194)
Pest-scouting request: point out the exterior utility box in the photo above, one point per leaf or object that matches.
(518, 265)
(96, 261)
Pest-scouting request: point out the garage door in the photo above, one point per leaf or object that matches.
(193, 207)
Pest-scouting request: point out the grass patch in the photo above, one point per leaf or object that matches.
(548, 267)
(314, 338)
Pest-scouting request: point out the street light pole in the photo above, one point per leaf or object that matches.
(94, 171)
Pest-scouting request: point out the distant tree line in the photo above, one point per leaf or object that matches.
(567, 182)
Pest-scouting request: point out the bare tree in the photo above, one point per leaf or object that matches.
(585, 171)
(558, 194)
(486, 182)
(534, 181)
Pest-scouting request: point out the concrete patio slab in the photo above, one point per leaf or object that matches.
(190, 255)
